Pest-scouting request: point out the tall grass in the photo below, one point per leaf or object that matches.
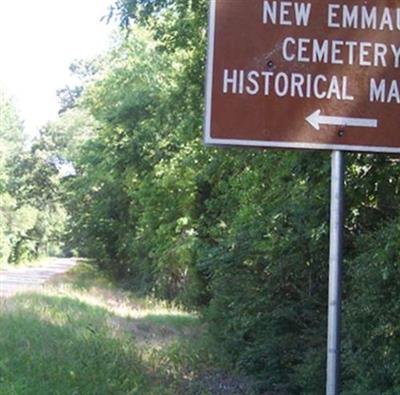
(83, 336)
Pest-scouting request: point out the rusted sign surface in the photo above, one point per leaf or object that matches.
(313, 74)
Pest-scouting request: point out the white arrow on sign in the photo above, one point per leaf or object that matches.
(316, 119)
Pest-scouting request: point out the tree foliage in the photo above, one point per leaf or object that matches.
(31, 213)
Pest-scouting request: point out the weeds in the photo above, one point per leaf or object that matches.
(83, 335)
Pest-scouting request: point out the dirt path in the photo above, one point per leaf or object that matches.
(22, 279)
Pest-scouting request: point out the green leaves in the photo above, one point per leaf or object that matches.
(31, 216)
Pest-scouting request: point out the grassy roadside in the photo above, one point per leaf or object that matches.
(83, 335)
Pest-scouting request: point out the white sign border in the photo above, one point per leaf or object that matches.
(208, 140)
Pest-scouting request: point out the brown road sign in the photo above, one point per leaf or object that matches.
(312, 74)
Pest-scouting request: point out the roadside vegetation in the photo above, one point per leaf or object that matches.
(82, 334)
(32, 217)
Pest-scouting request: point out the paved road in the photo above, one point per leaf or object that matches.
(23, 279)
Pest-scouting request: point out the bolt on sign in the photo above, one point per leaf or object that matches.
(312, 74)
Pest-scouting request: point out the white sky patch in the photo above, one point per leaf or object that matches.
(38, 41)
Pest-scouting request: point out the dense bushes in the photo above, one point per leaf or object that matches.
(372, 310)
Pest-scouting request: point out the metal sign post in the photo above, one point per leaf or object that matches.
(335, 273)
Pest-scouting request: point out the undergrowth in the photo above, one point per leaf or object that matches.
(83, 335)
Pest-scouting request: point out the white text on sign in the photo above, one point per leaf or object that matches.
(308, 50)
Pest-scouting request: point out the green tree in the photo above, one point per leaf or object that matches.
(16, 220)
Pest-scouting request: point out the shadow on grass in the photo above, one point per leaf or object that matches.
(160, 331)
(177, 321)
(59, 345)
(84, 277)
